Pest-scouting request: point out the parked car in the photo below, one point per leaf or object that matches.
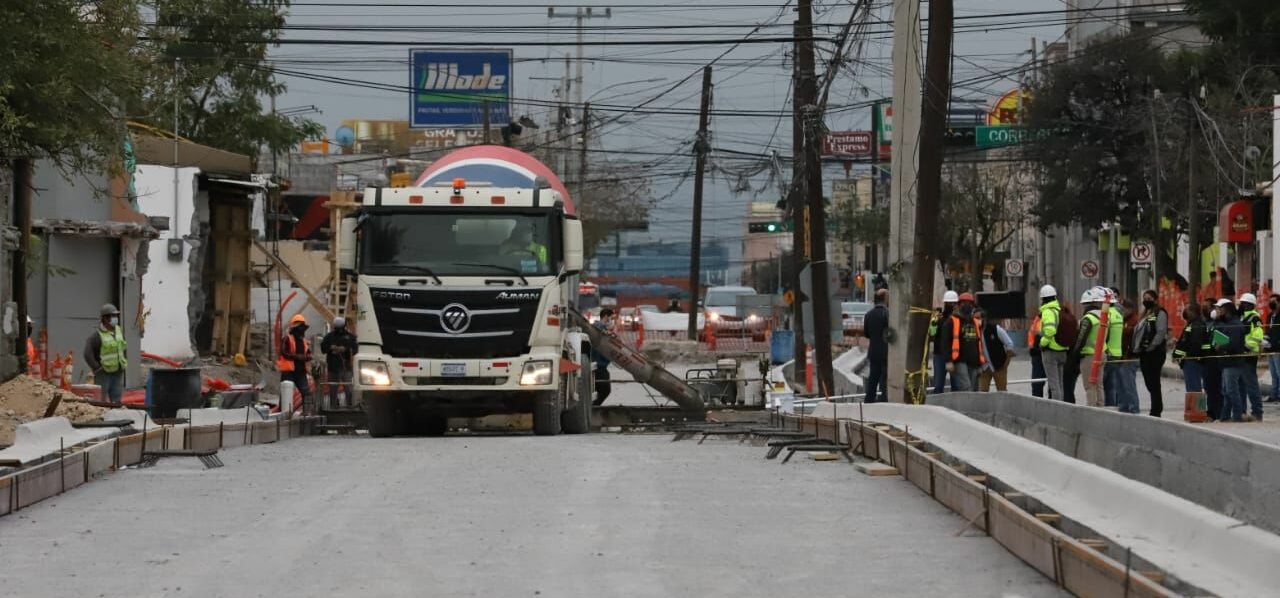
(852, 315)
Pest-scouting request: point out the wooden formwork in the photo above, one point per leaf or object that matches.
(1074, 566)
(79, 464)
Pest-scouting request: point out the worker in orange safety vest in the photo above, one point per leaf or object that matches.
(962, 333)
(1037, 364)
(295, 355)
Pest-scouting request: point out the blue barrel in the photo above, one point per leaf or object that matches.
(782, 346)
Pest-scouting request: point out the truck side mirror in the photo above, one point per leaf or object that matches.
(346, 240)
(572, 246)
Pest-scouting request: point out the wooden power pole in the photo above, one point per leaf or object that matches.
(582, 155)
(933, 124)
(811, 121)
(799, 224)
(700, 149)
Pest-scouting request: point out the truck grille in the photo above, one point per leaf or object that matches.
(459, 324)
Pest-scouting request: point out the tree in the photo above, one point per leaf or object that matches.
(210, 55)
(68, 72)
(983, 206)
(1247, 26)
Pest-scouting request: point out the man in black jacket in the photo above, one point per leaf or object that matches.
(339, 346)
(876, 325)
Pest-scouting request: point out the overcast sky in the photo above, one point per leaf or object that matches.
(751, 77)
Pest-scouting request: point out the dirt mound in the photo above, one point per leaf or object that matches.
(24, 399)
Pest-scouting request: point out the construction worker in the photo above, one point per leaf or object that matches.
(876, 327)
(104, 353)
(1272, 345)
(339, 346)
(1115, 349)
(962, 335)
(1213, 366)
(1086, 343)
(1255, 337)
(1053, 350)
(295, 355)
(521, 243)
(1229, 344)
(1151, 338)
(998, 351)
(941, 352)
(1193, 344)
(33, 356)
(599, 362)
(1037, 364)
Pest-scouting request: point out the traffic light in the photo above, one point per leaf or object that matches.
(764, 227)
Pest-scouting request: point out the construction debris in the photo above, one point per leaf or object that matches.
(24, 399)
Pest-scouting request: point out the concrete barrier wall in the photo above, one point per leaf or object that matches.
(1235, 476)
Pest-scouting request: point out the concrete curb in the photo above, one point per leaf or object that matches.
(1197, 546)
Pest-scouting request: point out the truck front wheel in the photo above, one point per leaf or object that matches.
(577, 420)
(380, 415)
(546, 414)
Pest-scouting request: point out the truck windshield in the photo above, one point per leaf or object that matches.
(459, 243)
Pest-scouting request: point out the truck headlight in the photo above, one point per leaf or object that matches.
(536, 373)
(374, 373)
(713, 316)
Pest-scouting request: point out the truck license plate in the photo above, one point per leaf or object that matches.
(454, 370)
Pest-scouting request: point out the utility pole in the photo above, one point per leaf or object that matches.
(582, 156)
(580, 15)
(700, 148)
(933, 124)
(565, 111)
(873, 261)
(902, 216)
(817, 235)
(1193, 210)
(22, 185)
(799, 224)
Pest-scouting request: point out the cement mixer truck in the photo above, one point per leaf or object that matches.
(463, 284)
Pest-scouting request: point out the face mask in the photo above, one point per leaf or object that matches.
(1213, 315)
(1147, 303)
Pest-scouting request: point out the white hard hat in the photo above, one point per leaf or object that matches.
(1249, 298)
(1088, 296)
(950, 297)
(1221, 302)
(1047, 291)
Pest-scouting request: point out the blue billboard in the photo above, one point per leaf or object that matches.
(450, 87)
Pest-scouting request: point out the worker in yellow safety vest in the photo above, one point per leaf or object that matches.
(521, 243)
(104, 353)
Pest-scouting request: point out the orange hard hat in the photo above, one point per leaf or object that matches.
(967, 297)
(297, 319)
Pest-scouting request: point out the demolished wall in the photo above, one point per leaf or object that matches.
(168, 290)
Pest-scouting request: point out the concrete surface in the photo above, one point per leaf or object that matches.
(33, 441)
(1229, 474)
(597, 515)
(1199, 546)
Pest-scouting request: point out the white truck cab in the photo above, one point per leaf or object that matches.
(461, 298)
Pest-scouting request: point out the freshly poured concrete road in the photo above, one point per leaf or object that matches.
(598, 515)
